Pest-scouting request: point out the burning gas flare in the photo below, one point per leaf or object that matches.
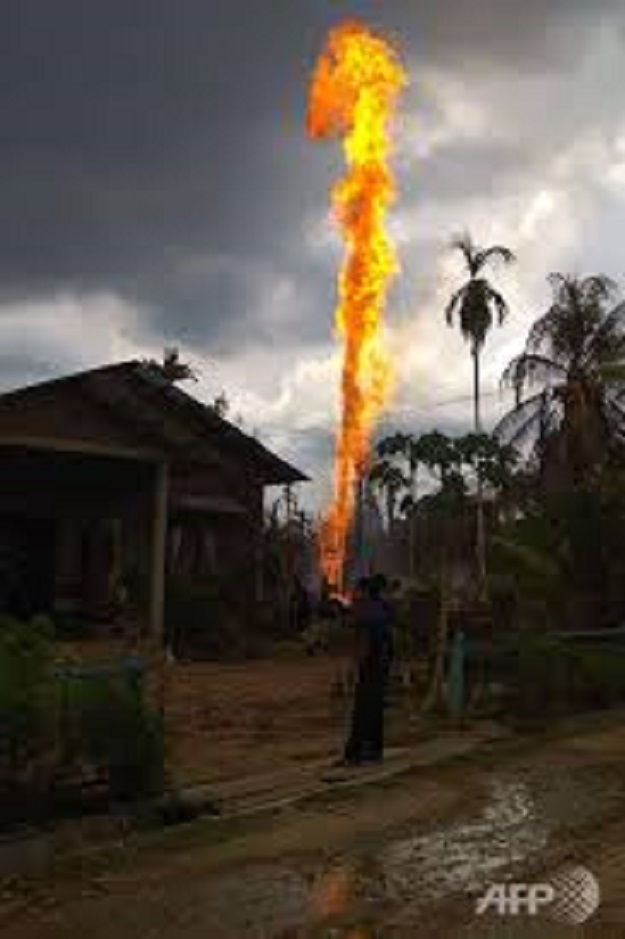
(353, 95)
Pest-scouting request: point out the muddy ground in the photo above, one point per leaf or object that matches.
(225, 720)
(407, 857)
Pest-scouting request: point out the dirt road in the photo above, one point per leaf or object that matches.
(408, 857)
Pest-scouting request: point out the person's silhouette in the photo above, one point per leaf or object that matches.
(373, 620)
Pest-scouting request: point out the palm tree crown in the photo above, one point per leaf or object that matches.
(476, 301)
(575, 352)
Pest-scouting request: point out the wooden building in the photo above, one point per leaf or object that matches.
(112, 478)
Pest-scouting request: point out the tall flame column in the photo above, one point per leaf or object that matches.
(353, 95)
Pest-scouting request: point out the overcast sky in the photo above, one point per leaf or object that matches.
(157, 188)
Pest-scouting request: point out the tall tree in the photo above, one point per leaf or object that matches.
(475, 305)
(389, 480)
(445, 505)
(413, 453)
(439, 453)
(575, 354)
(491, 463)
(440, 456)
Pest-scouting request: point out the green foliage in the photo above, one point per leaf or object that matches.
(448, 459)
(573, 370)
(58, 725)
(28, 696)
(108, 725)
(526, 564)
(543, 675)
(489, 460)
(566, 558)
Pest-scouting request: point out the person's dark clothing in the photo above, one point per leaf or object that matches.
(374, 620)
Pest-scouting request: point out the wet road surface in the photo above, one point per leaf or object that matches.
(523, 818)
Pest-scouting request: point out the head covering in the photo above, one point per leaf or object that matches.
(377, 585)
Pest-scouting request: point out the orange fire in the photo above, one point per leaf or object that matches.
(354, 93)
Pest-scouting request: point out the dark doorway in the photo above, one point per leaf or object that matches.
(27, 552)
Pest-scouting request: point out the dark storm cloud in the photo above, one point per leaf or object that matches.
(156, 149)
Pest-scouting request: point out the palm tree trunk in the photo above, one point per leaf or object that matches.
(412, 523)
(390, 536)
(476, 391)
(481, 539)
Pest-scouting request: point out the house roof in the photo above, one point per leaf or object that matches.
(139, 394)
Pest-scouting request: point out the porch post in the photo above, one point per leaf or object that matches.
(157, 553)
(259, 552)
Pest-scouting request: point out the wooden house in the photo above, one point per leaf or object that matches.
(112, 478)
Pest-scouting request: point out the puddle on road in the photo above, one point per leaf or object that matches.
(516, 824)
(465, 855)
(400, 877)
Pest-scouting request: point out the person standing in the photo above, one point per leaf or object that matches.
(373, 620)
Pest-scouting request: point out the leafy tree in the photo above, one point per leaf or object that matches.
(491, 463)
(413, 452)
(564, 556)
(439, 454)
(389, 480)
(443, 506)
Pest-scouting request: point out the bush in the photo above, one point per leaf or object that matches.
(110, 727)
(56, 726)
(28, 702)
(601, 676)
(544, 675)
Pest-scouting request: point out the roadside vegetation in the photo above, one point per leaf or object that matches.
(71, 738)
(520, 533)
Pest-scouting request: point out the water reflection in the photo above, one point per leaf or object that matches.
(418, 869)
(394, 881)
(465, 856)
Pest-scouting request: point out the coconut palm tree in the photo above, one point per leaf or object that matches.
(474, 305)
(575, 354)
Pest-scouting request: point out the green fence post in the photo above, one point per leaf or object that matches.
(456, 676)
